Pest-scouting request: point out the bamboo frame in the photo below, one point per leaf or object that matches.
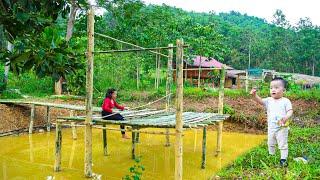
(89, 90)
(74, 130)
(134, 50)
(168, 88)
(179, 110)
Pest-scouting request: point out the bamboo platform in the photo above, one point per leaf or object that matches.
(157, 119)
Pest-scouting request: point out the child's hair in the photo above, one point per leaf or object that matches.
(284, 82)
(110, 92)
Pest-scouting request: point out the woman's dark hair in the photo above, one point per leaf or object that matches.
(110, 92)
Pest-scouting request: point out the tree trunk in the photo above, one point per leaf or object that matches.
(199, 74)
(71, 20)
(7, 67)
(70, 25)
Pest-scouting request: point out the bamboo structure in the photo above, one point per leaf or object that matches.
(133, 149)
(179, 110)
(57, 162)
(89, 90)
(220, 109)
(32, 114)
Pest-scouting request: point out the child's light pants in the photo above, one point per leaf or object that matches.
(279, 137)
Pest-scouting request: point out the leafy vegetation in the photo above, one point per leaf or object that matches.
(135, 171)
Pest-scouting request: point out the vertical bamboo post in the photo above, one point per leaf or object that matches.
(247, 81)
(89, 89)
(57, 162)
(169, 77)
(48, 119)
(133, 149)
(31, 118)
(199, 73)
(179, 110)
(73, 127)
(204, 148)
(137, 137)
(220, 109)
(105, 141)
(168, 88)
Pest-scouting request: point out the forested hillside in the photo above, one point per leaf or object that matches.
(232, 38)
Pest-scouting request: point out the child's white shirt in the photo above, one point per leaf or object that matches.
(276, 109)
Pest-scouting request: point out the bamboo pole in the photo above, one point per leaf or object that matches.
(179, 110)
(204, 148)
(105, 140)
(247, 81)
(89, 89)
(57, 162)
(48, 119)
(133, 140)
(32, 113)
(168, 88)
(123, 42)
(74, 130)
(169, 77)
(199, 73)
(220, 109)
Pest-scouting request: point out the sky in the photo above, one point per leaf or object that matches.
(293, 9)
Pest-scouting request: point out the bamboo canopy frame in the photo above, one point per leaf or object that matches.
(139, 118)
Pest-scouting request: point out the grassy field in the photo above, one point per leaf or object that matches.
(257, 164)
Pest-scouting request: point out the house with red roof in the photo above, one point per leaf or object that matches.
(204, 67)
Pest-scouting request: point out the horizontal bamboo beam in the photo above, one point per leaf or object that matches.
(123, 42)
(133, 50)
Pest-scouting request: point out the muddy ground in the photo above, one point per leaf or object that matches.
(247, 116)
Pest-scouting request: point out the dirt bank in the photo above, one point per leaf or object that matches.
(246, 115)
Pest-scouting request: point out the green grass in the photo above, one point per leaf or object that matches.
(258, 164)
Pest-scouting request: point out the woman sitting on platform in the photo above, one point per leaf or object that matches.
(108, 104)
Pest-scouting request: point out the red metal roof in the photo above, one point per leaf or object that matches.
(208, 62)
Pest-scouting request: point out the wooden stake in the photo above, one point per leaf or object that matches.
(89, 89)
(105, 140)
(220, 109)
(31, 118)
(48, 119)
(179, 110)
(199, 73)
(247, 81)
(57, 162)
(204, 148)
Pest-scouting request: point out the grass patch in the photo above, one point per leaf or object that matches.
(258, 164)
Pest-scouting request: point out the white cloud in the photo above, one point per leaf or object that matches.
(293, 9)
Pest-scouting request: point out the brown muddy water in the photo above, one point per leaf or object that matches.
(32, 156)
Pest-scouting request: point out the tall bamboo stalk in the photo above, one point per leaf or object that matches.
(179, 110)
(220, 109)
(89, 90)
(199, 73)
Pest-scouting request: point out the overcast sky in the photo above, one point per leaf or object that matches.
(293, 9)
